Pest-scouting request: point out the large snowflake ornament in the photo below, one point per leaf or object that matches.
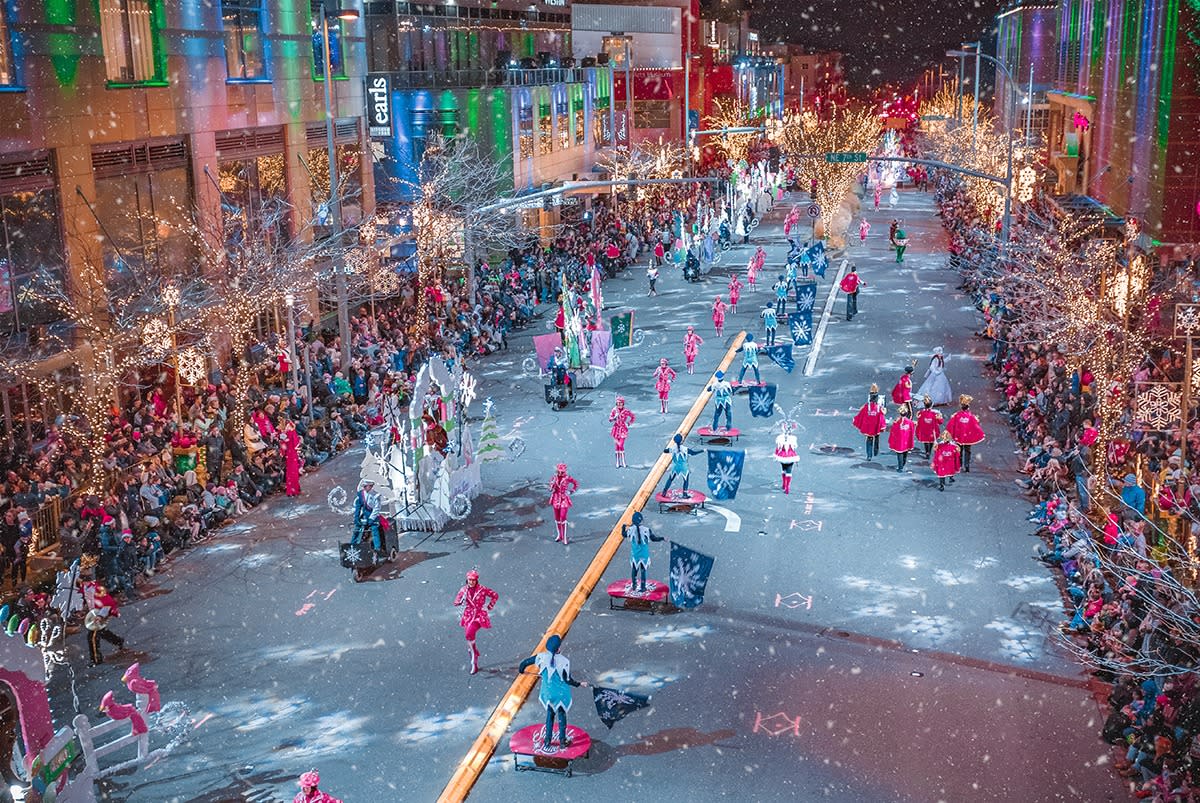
(1187, 320)
(1158, 405)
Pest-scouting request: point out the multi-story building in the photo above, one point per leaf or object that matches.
(1027, 45)
(812, 79)
(502, 73)
(116, 112)
(646, 46)
(1122, 119)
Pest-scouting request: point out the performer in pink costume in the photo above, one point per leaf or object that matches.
(718, 312)
(477, 600)
(291, 458)
(751, 275)
(664, 375)
(691, 347)
(785, 453)
(863, 228)
(735, 292)
(309, 793)
(621, 418)
(562, 485)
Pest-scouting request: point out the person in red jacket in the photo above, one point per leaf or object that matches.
(902, 391)
(870, 421)
(850, 284)
(964, 428)
(901, 437)
(929, 426)
(945, 460)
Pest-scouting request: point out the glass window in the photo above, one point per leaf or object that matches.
(525, 127)
(127, 34)
(148, 224)
(563, 121)
(8, 70)
(245, 56)
(545, 130)
(349, 167)
(652, 114)
(31, 246)
(336, 61)
(254, 201)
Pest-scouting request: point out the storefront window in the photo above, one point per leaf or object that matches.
(545, 127)
(525, 128)
(254, 200)
(30, 246)
(148, 224)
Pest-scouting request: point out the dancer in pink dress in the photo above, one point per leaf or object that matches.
(562, 485)
(477, 601)
(291, 457)
(863, 228)
(751, 275)
(691, 347)
(621, 417)
(718, 312)
(664, 375)
(735, 292)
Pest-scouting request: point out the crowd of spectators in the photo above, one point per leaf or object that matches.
(1119, 542)
(174, 471)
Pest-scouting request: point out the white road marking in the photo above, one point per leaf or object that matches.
(819, 338)
(733, 522)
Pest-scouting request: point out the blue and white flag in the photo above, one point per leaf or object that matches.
(801, 328)
(781, 356)
(689, 576)
(762, 400)
(614, 704)
(806, 296)
(725, 472)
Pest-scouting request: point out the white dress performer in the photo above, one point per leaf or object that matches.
(936, 386)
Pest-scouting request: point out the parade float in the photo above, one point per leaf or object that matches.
(52, 763)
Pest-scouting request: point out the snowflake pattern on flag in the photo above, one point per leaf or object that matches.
(801, 327)
(555, 394)
(762, 401)
(353, 554)
(1158, 405)
(725, 472)
(612, 698)
(689, 576)
(806, 297)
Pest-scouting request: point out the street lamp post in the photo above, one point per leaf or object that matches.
(1006, 225)
(332, 13)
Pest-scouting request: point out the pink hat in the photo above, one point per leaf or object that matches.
(310, 778)
(472, 575)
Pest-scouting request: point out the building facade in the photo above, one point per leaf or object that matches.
(1122, 98)
(122, 112)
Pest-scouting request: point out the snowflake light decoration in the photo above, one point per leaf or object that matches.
(1187, 320)
(1158, 405)
(468, 389)
(191, 366)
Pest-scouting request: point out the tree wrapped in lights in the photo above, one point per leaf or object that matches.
(454, 215)
(117, 326)
(1067, 287)
(847, 130)
(729, 113)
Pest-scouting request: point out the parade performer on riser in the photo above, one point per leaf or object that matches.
(555, 690)
(639, 550)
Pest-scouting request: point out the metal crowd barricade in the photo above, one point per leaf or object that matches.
(45, 523)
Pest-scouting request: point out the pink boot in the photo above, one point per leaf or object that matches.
(787, 483)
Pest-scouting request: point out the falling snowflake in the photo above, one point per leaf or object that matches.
(725, 476)
(1158, 405)
(687, 577)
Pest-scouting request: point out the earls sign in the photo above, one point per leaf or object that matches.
(379, 106)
